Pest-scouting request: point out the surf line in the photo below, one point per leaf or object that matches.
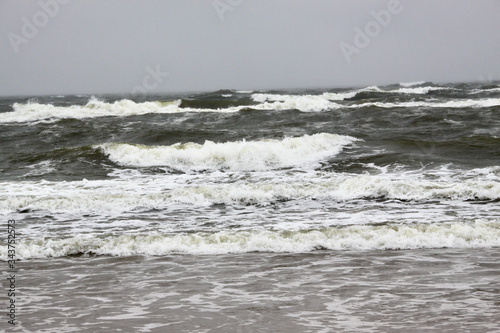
(12, 271)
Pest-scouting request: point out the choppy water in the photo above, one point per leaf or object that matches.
(350, 209)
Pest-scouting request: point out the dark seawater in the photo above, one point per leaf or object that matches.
(362, 209)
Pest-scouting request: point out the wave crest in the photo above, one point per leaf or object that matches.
(117, 196)
(33, 111)
(236, 155)
(354, 237)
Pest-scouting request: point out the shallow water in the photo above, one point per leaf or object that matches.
(323, 291)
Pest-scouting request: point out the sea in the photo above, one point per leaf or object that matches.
(365, 209)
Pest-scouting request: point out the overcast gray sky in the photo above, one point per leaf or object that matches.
(113, 46)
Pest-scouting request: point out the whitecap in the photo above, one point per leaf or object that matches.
(357, 237)
(235, 155)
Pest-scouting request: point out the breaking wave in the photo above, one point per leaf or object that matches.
(117, 196)
(469, 103)
(411, 84)
(237, 155)
(30, 111)
(218, 102)
(355, 237)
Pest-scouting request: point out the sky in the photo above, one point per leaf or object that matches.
(166, 46)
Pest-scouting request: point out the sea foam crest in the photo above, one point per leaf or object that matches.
(236, 155)
(487, 90)
(305, 103)
(355, 237)
(469, 103)
(417, 90)
(411, 84)
(117, 196)
(34, 112)
(260, 97)
(31, 111)
(322, 102)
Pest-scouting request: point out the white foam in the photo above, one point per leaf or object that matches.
(411, 84)
(406, 89)
(305, 103)
(41, 168)
(469, 103)
(488, 90)
(116, 196)
(329, 96)
(33, 111)
(238, 155)
(358, 237)
(370, 88)
(314, 103)
(417, 90)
